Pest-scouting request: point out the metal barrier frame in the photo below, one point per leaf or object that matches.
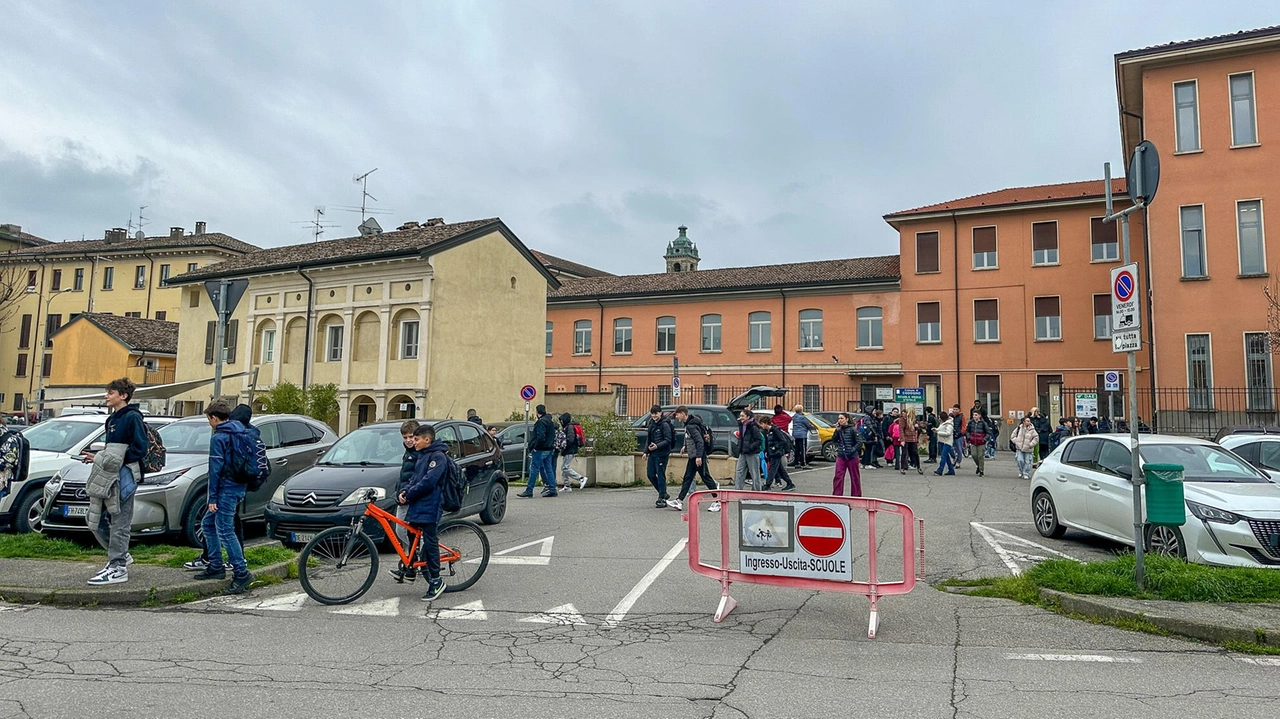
(912, 551)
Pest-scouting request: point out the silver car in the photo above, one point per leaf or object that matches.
(173, 500)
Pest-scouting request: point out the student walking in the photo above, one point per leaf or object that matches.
(957, 434)
(573, 438)
(541, 446)
(909, 434)
(977, 437)
(1025, 439)
(946, 448)
(659, 442)
(117, 471)
(423, 498)
(776, 446)
(750, 452)
(931, 424)
(231, 457)
(849, 447)
(698, 447)
(801, 425)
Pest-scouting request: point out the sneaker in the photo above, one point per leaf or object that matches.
(110, 575)
(714, 507)
(660, 504)
(128, 559)
(434, 589)
(211, 573)
(789, 488)
(549, 493)
(240, 585)
(195, 565)
(582, 483)
(399, 574)
(526, 495)
(675, 504)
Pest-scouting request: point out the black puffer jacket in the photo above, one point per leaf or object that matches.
(407, 463)
(848, 441)
(750, 439)
(695, 433)
(661, 434)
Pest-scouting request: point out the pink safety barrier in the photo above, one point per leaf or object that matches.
(824, 538)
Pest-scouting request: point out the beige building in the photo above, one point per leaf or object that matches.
(58, 281)
(95, 348)
(427, 320)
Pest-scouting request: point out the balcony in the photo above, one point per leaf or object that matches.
(144, 376)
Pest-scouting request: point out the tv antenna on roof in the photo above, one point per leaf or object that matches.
(317, 223)
(363, 181)
(141, 221)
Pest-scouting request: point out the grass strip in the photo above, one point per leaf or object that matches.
(39, 546)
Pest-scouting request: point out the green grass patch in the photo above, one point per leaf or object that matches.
(39, 546)
(1166, 578)
(1251, 648)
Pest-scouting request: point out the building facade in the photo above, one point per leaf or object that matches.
(95, 348)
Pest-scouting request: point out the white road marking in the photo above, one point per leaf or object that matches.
(543, 558)
(1073, 658)
(284, 603)
(13, 608)
(470, 610)
(1029, 543)
(565, 614)
(997, 538)
(384, 608)
(620, 611)
(1260, 661)
(1000, 551)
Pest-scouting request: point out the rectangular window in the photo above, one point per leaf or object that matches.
(133, 314)
(1101, 317)
(1186, 117)
(162, 315)
(193, 297)
(1244, 121)
(1257, 371)
(988, 386)
(1044, 243)
(582, 337)
(408, 339)
(191, 266)
(24, 335)
(711, 333)
(52, 323)
(164, 273)
(22, 365)
(664, 394)
(549, 334)
(710, 394)
(986, 320)
(870, 328)
(46, 365)
(622, 336)
(620, 400)
(78, 282)
(333, 343)
(928, 322)
(1194, 262)
(666, 334)
(811, 397)
(108, 277)
(1048, 318)
(31, 281)
(139, 277)
(18, 401)
(1199, 372)
(810, 329)
(268, 346)
(579, 389)
(229, 342)
(56, 283)
(759, 324)
(1103, 242)
(1249, 232)
(926, 252)
(984, 248)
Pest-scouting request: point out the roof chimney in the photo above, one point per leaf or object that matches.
(435, 221)
(116, 234)
(410, 225)
(14, 230)
(175, 233)
(200, 228)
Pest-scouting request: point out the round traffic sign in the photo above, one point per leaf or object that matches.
(1112, 377)
(820, 531)
(675, 382)
(1125, 285)
(527, 392)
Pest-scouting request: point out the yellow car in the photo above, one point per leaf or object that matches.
(825, 432)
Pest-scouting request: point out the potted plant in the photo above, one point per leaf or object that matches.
(608, 455)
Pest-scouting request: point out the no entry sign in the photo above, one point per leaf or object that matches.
(820, 532)
(795, 539)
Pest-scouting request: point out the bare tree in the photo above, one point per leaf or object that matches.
(13, 287)
(1272, 293)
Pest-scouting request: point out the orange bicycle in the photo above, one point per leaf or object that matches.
(339, 565)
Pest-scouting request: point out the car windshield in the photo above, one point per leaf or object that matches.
(1202, 463)
(381, 445)
(60, 435)
(186, 437)
(818, 421)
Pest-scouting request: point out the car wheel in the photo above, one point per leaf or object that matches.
(1045, 515)
(193, 521)
(829, 450)
(495, 505)
(26, 514)
(1166, 541)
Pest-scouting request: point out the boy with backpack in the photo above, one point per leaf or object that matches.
(776, 447)
(425, 497)
(117, 471)
(243, 414)
(573, 439)
(232, 467)
(697, 444)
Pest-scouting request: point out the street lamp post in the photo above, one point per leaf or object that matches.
(39, 368)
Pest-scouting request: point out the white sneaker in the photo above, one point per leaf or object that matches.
(715, 507)
(567, 488)
(582, 483)
(675, 504)
(110, 575)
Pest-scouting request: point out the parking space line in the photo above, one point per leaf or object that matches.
(1000, 551)
(620, 611)
(1106, 659)
(1260, 661)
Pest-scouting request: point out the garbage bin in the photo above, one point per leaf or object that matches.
(1165, 503)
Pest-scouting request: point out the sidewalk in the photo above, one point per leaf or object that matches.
(1219, 623)
(63, 582)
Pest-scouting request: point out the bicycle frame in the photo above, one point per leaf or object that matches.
(386, 518)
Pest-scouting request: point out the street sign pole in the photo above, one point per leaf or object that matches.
(219, 356)
(524, 458)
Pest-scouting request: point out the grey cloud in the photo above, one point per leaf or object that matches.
(653, 205)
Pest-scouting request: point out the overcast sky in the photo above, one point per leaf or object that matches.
(776, 131)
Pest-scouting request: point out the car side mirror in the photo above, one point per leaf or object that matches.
(97, 446)
(500, 442)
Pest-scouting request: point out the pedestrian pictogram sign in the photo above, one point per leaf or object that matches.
(820, 532)
(527, 392)
(795, 539)
(1124, 298)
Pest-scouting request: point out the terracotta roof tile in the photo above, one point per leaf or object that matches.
(1020, 195)
(557, 263)
(799, 274)
(162, 242)
(1201, 42)
(136, 334)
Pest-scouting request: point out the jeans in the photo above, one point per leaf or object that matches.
(850, 465)
(540, 464)
(991, 447)
(567, 472)
(402, 534)
(692, 470)
(749, 464)
(946, 464)
(800, 456)
(778, 471)
(220, 529)
(430, 548)
(957, 448)
(1024, 463)
(239, 523)
(656, 471)
(112, 531)
(933, 448)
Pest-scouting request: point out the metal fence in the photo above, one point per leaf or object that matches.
(1188, 411)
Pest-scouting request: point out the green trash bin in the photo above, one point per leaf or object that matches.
(1165, 503)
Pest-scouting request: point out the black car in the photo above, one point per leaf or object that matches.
(722, 421)
(329, 493)
(511, 439)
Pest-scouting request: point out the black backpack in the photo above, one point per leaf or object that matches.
(454, 487)
(153, 460)
(18, 444)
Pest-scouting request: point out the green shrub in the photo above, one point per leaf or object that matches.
(609, 436)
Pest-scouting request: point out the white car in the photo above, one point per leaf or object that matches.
(54, 443)
(1260, 450)
(1233, 509)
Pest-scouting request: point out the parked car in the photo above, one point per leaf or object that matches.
(173, 501)
(1233, 508)
(82, 410)
(1233, 430)
(511, 439)
(54, 443)
(330, 493)
(1260, 450)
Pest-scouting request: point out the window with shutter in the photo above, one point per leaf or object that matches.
(1044, 243)
(24, 336)
(1048, 319)
(1102, 239)
(926, 252)
(210, 333)
(986, 320)
(22, 365)
(928, 322)
(232, 340)
(1101, 316)
(984, 248)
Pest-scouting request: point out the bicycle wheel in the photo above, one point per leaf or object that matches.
(471, 544)
(329, 578)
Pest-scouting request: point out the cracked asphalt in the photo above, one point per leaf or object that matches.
(781, 653)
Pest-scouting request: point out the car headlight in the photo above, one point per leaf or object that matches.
(358, 495)
(278, 497)
(1211, 514)
(163, 479)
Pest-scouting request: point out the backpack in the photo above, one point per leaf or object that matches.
(248, 462)
(582, 436)
(15, 459)
(153, 460)
(454, 488)
(864, 429)
(561, 441)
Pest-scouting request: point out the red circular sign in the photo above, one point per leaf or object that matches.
(820, 531)
(1125, 285)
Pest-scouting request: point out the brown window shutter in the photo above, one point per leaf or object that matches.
(210, 333)
(984, 239)
(1101, 233)
(22, 365)
(927, 252)
(1101, 305)
(1047, 307)
(24, 337)
(1044, 236)
(46, 365)
(988, 383)
(232, 340)
(1044, 380)
(986, 309)
(928, 312)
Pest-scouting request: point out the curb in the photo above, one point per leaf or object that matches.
(1205, 631)
(131, 596)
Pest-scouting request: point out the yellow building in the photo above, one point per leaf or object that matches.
(118, 275)
(95, 348)
(428, 320)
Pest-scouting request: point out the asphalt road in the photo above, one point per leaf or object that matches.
(589, 609)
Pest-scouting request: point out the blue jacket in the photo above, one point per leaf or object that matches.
(423, 492)
(407, 465)
(221, 449)
(124, 426)
(800, 425)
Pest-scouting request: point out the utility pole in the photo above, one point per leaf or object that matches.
(220, 335)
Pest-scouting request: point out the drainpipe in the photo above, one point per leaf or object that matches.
(306, 347)
(784, 339)
(151, 274)
(37, 350)
(955, 289)
(600, 364)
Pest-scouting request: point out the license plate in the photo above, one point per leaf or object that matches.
(301, 537)
(75, 511)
